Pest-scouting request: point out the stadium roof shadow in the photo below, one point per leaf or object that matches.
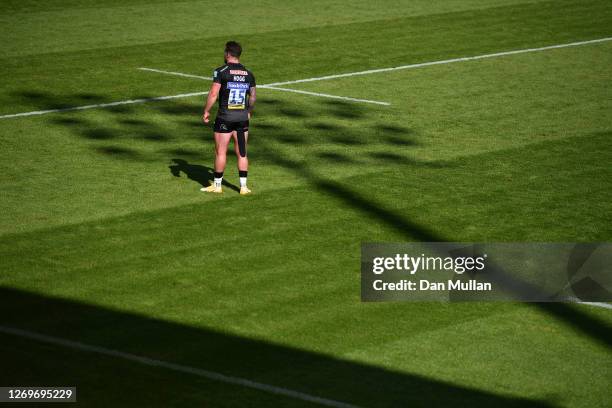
(595, 328)
(119, 134)
(118, 380)
(266, 150)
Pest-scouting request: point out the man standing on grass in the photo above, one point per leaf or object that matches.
(234, 85)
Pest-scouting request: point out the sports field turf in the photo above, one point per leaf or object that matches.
(107, 241)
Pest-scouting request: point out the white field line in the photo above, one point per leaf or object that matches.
(597, 304)
(159, 71)
(103, 105)
(371, 71)
(211, 375)
(441, 62)
(346, 98)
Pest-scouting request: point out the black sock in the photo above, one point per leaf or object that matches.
(242, 173)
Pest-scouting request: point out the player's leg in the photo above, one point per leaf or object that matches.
(221, 142)
(241, 137)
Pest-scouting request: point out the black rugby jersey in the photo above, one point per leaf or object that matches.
(236, 83)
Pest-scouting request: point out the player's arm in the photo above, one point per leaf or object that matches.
(252, 99)
(213, 94)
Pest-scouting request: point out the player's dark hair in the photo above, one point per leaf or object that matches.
(233, 48)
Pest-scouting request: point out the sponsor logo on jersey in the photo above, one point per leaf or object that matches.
(237, 85)
(238, 72)
(239, 78)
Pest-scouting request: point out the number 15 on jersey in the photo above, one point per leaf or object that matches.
(237, 95)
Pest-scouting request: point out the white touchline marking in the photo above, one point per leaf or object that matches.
(597, 304)
(448, 61)
(103, 105)
(159, 71)
(212, 375)
(272, 87)
(324, 95)
(275, 84)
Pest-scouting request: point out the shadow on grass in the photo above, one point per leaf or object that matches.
(593, 327)
(44, 100)
(202, 175)
(119, 152)
(116, 134)
(344, 110)
(335, 157)
(266, 149)
(121, 379)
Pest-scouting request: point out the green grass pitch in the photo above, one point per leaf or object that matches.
(105, 239)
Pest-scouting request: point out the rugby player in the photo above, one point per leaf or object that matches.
(234, 86)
